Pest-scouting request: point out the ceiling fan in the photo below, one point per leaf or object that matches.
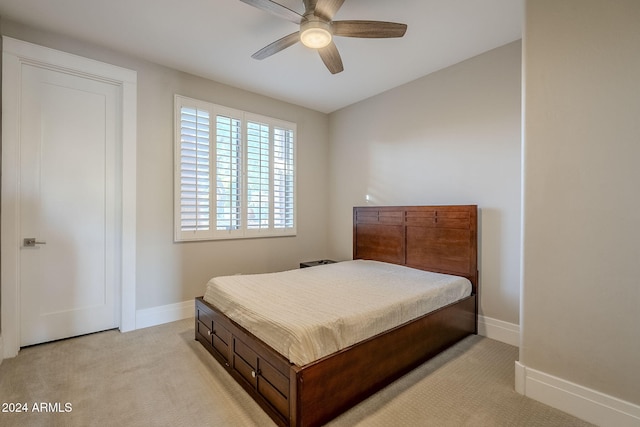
(317, 29)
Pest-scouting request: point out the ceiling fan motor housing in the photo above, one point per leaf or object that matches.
(315, 33)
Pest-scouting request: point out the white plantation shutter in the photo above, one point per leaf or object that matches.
(283, 178)
(194, 169)
(258, 182)
(235, 173)
(228, 173)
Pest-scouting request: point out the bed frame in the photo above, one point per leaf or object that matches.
(434, 238)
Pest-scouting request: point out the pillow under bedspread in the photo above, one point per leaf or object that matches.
(308, 313)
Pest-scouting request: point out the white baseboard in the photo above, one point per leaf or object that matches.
(582, 402)
(164, 314)
(498, 330)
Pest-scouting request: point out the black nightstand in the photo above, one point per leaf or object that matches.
(314, 263)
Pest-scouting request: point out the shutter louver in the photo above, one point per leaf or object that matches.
(194, 169)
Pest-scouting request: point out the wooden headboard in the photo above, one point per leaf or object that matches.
(443, 239)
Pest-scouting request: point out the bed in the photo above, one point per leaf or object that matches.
(315, 389)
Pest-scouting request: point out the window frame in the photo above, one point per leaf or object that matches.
(244, 231)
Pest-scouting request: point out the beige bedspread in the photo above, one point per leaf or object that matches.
(308, 313)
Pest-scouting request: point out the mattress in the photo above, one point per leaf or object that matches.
(308, 313)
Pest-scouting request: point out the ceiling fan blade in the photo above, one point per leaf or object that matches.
(368, 29)
(331, 58)
(275, 9)
(277, 46)
(326, 9)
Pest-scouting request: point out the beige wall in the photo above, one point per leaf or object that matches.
(170, 272)
(452, 137)
(581, 241)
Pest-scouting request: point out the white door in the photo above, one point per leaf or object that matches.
(69, 203)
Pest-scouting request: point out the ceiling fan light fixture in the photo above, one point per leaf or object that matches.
(315, 34)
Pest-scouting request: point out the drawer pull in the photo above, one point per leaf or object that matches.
(253, 374)
(209, 332)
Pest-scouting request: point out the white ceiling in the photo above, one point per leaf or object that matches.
(216, 38)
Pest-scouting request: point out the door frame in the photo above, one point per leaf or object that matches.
(15, 53)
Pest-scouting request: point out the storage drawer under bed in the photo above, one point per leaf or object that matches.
(244, 362)
(209, 326)
(261, 375)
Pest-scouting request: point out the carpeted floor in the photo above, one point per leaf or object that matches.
(161, 376)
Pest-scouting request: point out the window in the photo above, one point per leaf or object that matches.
(234, 173)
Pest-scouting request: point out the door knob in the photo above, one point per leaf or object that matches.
(30, 242)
